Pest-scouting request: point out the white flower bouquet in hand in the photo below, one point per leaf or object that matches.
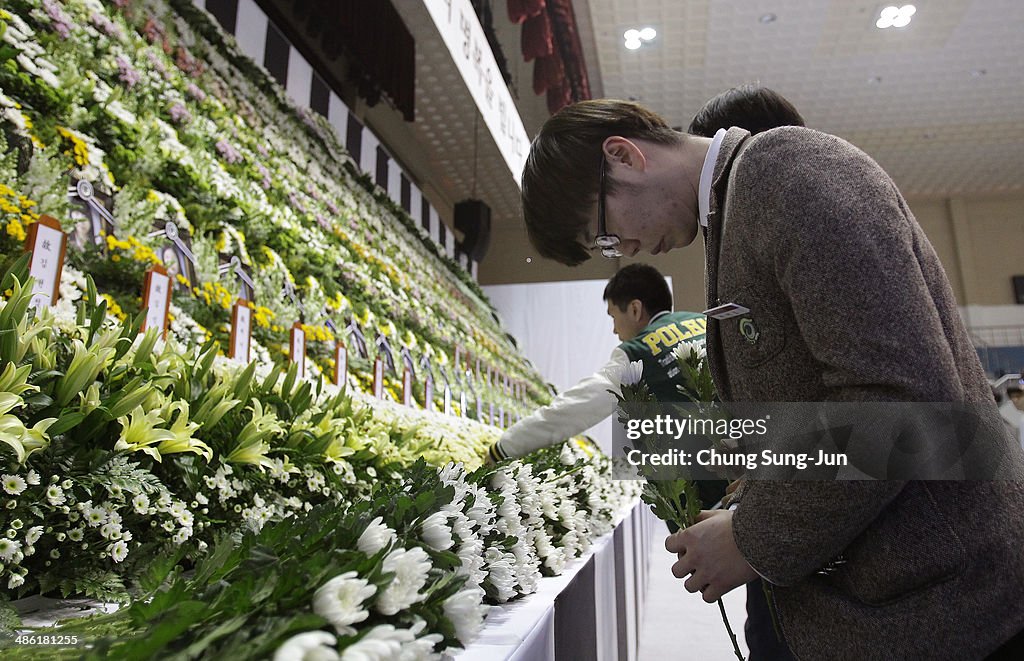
(672, 500)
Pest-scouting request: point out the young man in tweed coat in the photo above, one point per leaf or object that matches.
(850, 305)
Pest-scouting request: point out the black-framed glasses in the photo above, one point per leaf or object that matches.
(608, 243)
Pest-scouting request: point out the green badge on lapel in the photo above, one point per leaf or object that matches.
(748, 330)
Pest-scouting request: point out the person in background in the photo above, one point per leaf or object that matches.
(640, 305)
(1012, 411)
(750, 107)
(755, 109)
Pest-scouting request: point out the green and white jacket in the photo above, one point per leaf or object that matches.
(589, 402)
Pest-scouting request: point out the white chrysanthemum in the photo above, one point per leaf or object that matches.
(436, 532)
(482, 511)
(500, 573)
(33, 535)
(309, 646)
(340, 601)
(502, 480)
(110, 530)
(684, 350)
(542, 542)
(570, 544)
(556, 560)
(466, 611)
(471, 555)
(567, 457)
(410, 568)
(509, 507)
(382, 643)
(632, 373)
(16, 580)
(14, 484)
(462, 526)
(8, 549)
(95, 516)
(549, 504)
(33, 477)
(376, 537)
(118, 551)
(421, 649)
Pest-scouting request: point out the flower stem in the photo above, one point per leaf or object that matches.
(732, 636)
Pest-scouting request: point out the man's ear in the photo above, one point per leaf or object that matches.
(636, 308)
(623, 151)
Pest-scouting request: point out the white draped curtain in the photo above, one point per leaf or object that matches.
(563, 328)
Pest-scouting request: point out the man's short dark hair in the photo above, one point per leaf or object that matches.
(1012, 391)
(640, 282)
(749, 107)
(561, 175)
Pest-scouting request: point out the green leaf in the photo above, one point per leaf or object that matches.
(17, 272)
(99, 315)
(289, 381)
(243, 384)
(128, 476)
(66, 422)
(225, 628)
(156, 571)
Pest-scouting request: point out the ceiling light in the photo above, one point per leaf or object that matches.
(895, 17)
(767, 18)
(635, 38)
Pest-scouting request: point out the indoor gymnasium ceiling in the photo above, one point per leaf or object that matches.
(939, 103)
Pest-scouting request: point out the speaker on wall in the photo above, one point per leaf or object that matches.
(1018, 289)
(473, 219)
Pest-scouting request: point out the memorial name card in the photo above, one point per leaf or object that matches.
(241, 331)
(340, 364)
(407, 387)
(48, 244)
(297, 348)
(378, 378)
(156, 299)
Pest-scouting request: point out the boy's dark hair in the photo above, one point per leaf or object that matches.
(749, 107)
(561, 175)
(1011, 391)
(639, 282)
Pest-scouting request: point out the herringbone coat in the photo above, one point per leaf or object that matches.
(851, 303)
